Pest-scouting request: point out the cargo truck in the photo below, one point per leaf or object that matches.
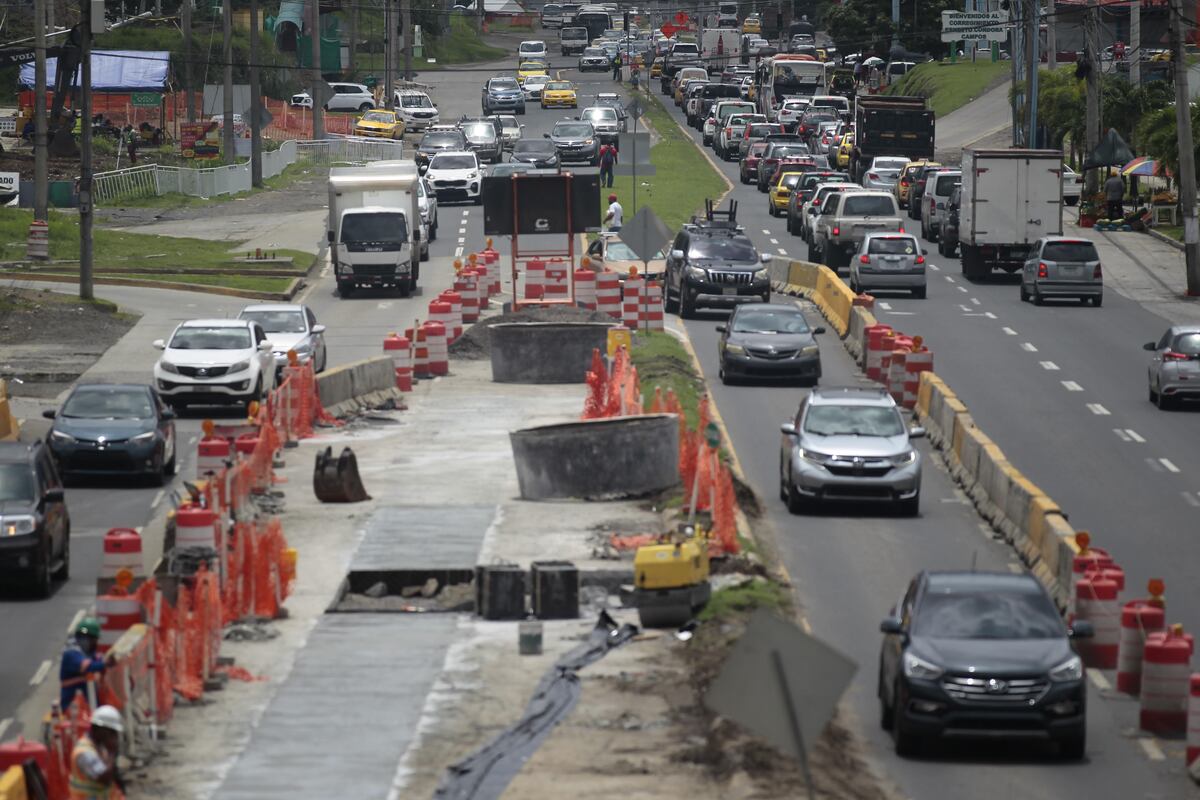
(891, 126)
(374, 227)
(1009, 200)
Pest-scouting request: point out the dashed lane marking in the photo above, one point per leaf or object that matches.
(774, 241)
(462, 240)
(782, 252)
(767, 232)
(40, 675)
(157, 499)
(964, 306)
(1135, 436)
(950, 279)
(1191, 499)
(4, 726)
(901, 314)
(989, 315)
(1168, 466)
(1028, 347)
(1072, 386)
(463, 229)
(962, 289)
(458, 251)
(1016, 568)
(1152, 750)
(1098, 680)
(975, 300)
(1153, 464)
(1050, 365)
(1009, 331)
(885, 306)
(1099, 410)
(935, 268)
(193, 440)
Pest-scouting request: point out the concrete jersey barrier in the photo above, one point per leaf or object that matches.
(342, 385)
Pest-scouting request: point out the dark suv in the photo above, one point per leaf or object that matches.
(981, 654)
(35, 529)
(948, 235)
(714, 264)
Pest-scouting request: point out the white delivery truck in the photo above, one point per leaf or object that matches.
(1010, 199)
(720, 47)
(374, 226)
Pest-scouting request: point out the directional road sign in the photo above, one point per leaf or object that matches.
(645, 234)
(974, 26)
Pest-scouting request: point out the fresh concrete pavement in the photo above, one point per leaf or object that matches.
(1049, 433)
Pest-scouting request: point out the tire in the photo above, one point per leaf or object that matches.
(911, 507)
(1153, 395)
(796, 503)
(1038, 300)
(1074, 747)
(42, 581)
(345, 289)
(907, 743)
(425, 254)
(743, 178)
(433, 231)
(669, 305)
(783, 495)
(687, 304)
(920, 294)
(887, 712)
(1070, 200)
(771, 209)
(170, 468)
(479, 199)
(1024, 294)
(63, 572)
(814, 255)
(365, 107)
(1164, 403)
(1098, 300)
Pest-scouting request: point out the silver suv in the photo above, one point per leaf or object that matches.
(1063, 267)
(849, 444)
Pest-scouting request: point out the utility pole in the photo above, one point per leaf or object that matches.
(318, 96)
(86, 27)
(1135, 43)
(41, 174)
(1187, 157)
(389, 32)
(256, 176)
(227, 30)
(1091, 51)
(1051, 35)
(186, 24)
(1016, 48)
(406, 21)
(1032, 40)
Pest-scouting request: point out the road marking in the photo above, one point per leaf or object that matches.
(1028, 347)
(1166, 462)
(1191, 499)
(975, 300)
(1049, 365)
(1122, 435)
(989, 315)
(1009, 331)
(157, 499)
(767, 232)
(193, 440)
(962, 289)
(1016, 568)
(1152, 750)
(901, 314)
(1135, 436)
(1099, 410)
(462, 240)
(774, 241)
(935, 268)
(1154, 465)
(968, 314)
(964, 306)
(41, 673)
(458, 251)
(950, 279)
(1072, 386)
(1098, 680)
(885, 306)
(466, 211)
(463, 229)
(4, 725)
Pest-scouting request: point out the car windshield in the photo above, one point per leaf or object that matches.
(946, 184)
(509, 83)
(446, 139)
(533, 146)
(480, 130)
(619, 251)
(1070, 251)
(763, 130)
(811, 117)
(790, 179)
(600, 114)
(960, 613)
(785, 150)
(16, 483)
(415, 101)
(775, 321)
(722, 249)
(197, 338)
(280, 321)
(559, 86)
(500, 170)
(453, 162)
(1187, 343)
(894, 246)
(869, 206)
(379, 116)
(537, 80)
(888, 163)
(108, 403)
(572, 130)
(832, 420)
(532, 47)
(374, 229)
(593, 51)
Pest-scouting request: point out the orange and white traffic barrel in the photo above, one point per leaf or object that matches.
(558, 280)
(195, 527)
(117, 613)
(38, 244)
(455, 328)
(439, 351)
(122, 550)
(212, 454)
(631, 300)
(608, 294)
(585, 289)
(1096, 602)
(895, 374)
(467, 287)
(875, 350)
(1193, 722)
(420, 352)
(914, 364)
(1139, 618)
(400, 350)
(1166, 677)
(535, 280)
(442, 311)
(650, 316)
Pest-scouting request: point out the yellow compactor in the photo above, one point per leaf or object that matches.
(671, 580)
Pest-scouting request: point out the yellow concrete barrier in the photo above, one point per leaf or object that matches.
(1058, 549)
(12, 784)
(993, 474)
(1041, 508)
(925, 394)
(969, 443)
(10, 428)
(835, 299)
(953, 414)
(803, 274)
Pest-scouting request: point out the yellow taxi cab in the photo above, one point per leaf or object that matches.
(656, 68)
(752, 24)
(529, 68)
(777, 196)
(908, 176)
(559, 94)
(380, 124)
(843, 152)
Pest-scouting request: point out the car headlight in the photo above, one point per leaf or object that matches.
(813, 456)
(810, 350)
(240, 366)
(142, 438)
(697, 273)
(919, 668)
(589, 142)
(472, 176)
(18, 526)
(167, 366)
(736, 349)
(762, 274)
(904, 459)
(1069, 670)
(64, 438)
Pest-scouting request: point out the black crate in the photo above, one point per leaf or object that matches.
(554, 590)
(500, 591)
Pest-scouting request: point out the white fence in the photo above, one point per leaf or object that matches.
(155, 180)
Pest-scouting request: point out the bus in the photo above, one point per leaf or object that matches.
(596, 19)
(787, 76)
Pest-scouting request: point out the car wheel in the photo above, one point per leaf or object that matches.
(743, 178)
(920, 293)
(1098, 300)
(771, 208)
(726, 378)
(814, 255)
(1038, 300)
(169, 468)
(1074, 747)
(1153, 395)
(687, 303)
(433, 231)
(907, 743)
(783, 494)
(911, 507)
(42, 580)
(345, 288)
(796, 502)
(887, 713)
(1070, 200)
(1164, 402)
(365, 107)
(64, 568)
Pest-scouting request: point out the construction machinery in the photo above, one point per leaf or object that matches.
(671, 579)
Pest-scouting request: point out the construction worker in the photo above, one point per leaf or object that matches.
(79, 662)
(94, 759)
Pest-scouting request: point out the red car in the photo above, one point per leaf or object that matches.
(791, 164)
(749, 167)
(777, 152)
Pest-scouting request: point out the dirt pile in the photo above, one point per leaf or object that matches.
(475, 343)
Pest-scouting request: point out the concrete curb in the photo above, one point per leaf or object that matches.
(287, 294)
(1162, 237)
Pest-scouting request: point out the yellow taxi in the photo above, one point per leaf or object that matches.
(528, 69)
(656, 68)
(908, 176)
(559, 94)
(380, 124)
(752, 24)
(843, 151)
(777, 196)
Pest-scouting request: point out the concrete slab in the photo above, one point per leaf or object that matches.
(295, 230)
(413, 537)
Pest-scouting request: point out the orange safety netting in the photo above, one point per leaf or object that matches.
(200, 618)
(597, 380)
(724, 513)
(160, 616)
(295, 405)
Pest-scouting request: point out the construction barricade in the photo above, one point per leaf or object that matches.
(1166, 676)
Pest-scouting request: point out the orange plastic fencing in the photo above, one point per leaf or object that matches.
(271, 585)
(160, 616)
(295, 405)
(597, 379)
(724, 513)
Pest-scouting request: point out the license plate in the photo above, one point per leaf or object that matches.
(374, 249)
(729, 290)
(1071, 271)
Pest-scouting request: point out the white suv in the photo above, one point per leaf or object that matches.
(415, 108)
(215, 361)
(531, 49)
(456, 175)
(344, 97)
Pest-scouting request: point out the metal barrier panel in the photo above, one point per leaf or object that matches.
(129, 182)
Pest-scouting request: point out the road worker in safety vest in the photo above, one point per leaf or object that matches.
(80, 663)
(94, 759)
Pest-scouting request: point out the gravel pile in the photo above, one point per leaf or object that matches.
(475, 343)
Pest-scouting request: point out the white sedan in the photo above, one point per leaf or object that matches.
(215, 361)
(1072, 185)
(290, 326)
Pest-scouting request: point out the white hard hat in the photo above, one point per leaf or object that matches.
(107, 717)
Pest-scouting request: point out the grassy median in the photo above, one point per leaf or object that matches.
(663, 362)
(951, 86)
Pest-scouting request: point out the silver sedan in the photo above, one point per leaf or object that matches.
(1174, 372)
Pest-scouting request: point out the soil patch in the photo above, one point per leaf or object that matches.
(476, 342)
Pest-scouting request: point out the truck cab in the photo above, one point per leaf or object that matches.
(375, 231)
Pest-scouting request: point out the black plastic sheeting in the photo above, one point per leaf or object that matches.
(486, 773)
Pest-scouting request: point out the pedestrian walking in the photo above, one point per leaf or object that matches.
(617, 68)
(79, 663)
(94, 759)
(615, 216)
(608, 159)
(1114, 193)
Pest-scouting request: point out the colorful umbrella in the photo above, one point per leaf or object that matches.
(1142, 165)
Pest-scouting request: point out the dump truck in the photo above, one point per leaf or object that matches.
(374, 227)
(887, 125)
(1009, 200)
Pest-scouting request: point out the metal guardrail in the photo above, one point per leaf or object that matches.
(350, 149)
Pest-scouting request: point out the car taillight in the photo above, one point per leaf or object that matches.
(872, 176)
(1170, 355)
(865, 259)
(1097, 273)
(900, 227)
(904, 183)
(1043, 272)
(728, 131)
(920, 259)
(837, 231)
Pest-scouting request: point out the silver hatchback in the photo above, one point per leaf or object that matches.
(889, 261)
(1063, 267)
(1174, 372)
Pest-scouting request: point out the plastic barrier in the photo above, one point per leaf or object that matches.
(455, 328)
(1096, 602)
(400, 349)
(608, 294)
(420, 352)
(631, 301)
(895, 374)
(122, 550)
(1139, 618)
(467, 287)
(585, 289)
(915, 363)
(535, 280)
(1166, 674)
(875, 350)
(1193, 722)
(10, 429)
(195, 527)
(212, 453)
(557, 284)
(442, 313)
(651, 314)
(439, 353)
(117, 613)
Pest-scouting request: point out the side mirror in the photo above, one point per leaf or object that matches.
(721, 329)
(264, 346)
(1081, 629)
(159, 344)
(1151, 346)
(49, 413)
(318, 328)
(53, 496)
(924, 252)
(766, 258)
(916, 433)
(329, 236)
(677, 255)
(817, 331)
(788, 428)
(545, 136)
(891, 625)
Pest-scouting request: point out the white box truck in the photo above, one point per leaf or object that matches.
(1010, 199)
(374, 226)
(720, 47)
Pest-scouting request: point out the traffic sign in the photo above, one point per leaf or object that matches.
(668, 30)
(634, 108)
(145, 99)
(681, 18)
(974, 26)
(646, 235)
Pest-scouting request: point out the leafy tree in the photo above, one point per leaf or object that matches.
(860, 25)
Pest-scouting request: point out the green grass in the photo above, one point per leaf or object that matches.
(662, 361)
(1174, 231)
(291, 173)
(737, 600)
(683, 176)
(460, 45)
(951, 86)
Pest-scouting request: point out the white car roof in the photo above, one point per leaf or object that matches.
(274, 307)
(216, 323)
(455, 153)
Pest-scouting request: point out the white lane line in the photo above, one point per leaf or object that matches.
(458, 251)
(774, 241)
(1028, 347)
(767, 232)
(463, 229)
(1016, 568)
(885, 306)
(1099, 410)
(989, 315)
(1098, 680)
(193, 440)
(950, 279)
(1166, 462)
(1072, 386)
(974, 315)
(466, 211)
(1122, 435)
(962, 289)
(1050, 365)
(1009, 331)
(1135, 436)
(462, 240)
(1191, 499)
(1153, 464)
(41, 673)
(1152, 750)
(157, 499)
(902, 313)
(782, 252)
(964, 306)
(975, 300)
(4, 725)
(935, 268)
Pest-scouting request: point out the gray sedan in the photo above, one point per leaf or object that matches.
(1063, 267)
(769, 340)
(1174, 372)
(889, 261)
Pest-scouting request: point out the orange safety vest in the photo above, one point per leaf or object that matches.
(80, 786)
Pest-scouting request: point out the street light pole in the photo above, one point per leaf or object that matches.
(1187, 156)
(227, 93)
(41, 174)
(86, 291)
(256, 176)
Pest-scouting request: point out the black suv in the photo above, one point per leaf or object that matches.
(714, 263)
(948, 235)
(437, 141)
(981, 654)
(35, 529)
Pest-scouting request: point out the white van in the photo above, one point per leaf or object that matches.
(573, 41)
(839, 104)
(552, 16)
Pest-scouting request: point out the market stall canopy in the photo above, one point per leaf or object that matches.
(1112, 152)
(115, 71)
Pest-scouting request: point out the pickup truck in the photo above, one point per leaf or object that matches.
(845, 219)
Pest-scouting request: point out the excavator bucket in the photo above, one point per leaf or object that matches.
(336, 480)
